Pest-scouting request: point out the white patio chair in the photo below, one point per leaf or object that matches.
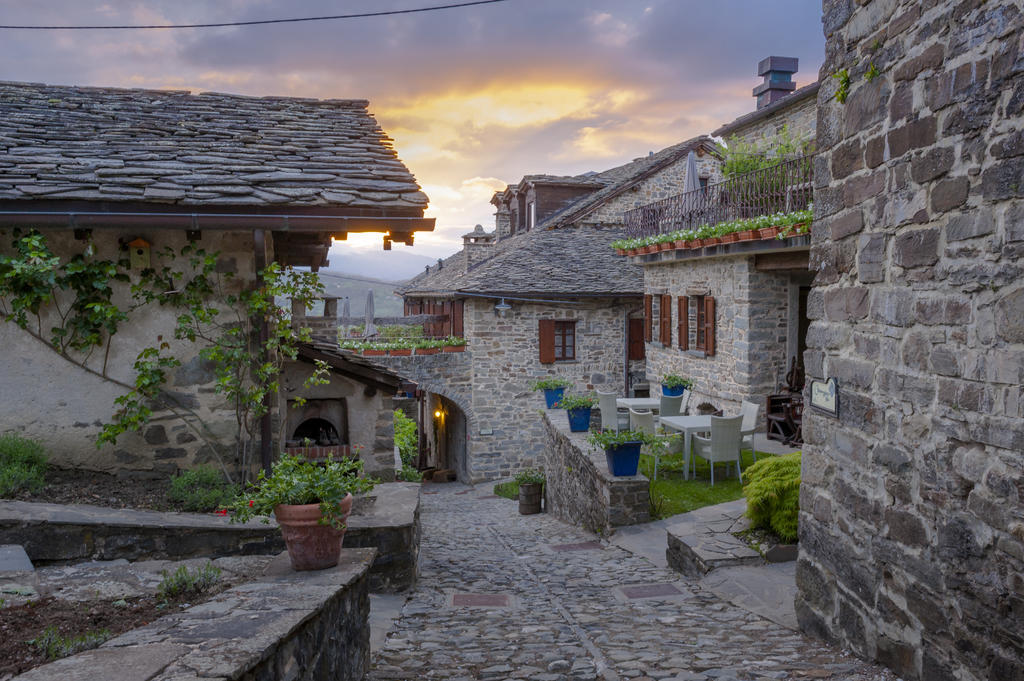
(684, 406)
(749, 410)
(670, 405)
(611, 417)
(722, 446)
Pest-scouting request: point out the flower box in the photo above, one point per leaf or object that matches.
(621, 251)
(747, 235)
(713, 241)
(798, 229)
(367, 352)
(728, 238)
(650, 249)
(454, 348)
(427, 351)
(665, 246)
(400, 352)
(680, 244)
(768, 232)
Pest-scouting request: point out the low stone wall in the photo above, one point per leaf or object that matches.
(54, 533)
(305, 626)
(579, 487)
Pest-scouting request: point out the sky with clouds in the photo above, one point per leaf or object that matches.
(474, 97)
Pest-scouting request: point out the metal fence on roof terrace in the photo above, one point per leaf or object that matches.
(780, 188)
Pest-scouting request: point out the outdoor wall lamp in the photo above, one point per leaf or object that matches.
(502, 308)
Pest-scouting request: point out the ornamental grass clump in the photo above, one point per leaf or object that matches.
(201, 489)
(22, 465)
(773, 494)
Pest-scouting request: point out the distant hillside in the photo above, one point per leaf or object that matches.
(343, 284)
(395, 265)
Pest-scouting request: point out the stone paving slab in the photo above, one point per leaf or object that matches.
(570, 624)
(702, 540)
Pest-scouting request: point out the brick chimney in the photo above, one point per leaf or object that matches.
(477, 245)
(778, 79)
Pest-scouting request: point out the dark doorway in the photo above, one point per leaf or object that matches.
(318, 431)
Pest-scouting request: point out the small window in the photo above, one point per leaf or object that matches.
(565, 341)
(701, 324)
(703, 184)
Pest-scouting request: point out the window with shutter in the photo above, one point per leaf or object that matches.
(701, 322)
(709, 326)
(665, 317)
(648, 316)
(565, 341)
(458, 309)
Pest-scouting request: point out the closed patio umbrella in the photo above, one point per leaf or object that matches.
(369, 329)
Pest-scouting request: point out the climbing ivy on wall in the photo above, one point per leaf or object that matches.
(75, 299)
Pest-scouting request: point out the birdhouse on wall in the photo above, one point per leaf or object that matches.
(138, 254)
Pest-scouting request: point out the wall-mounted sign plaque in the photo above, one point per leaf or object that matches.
(825, 396)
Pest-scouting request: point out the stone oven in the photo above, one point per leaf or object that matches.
(318, 428)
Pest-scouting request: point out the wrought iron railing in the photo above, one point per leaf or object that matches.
(781, 188)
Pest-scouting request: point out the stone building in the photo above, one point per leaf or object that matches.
(542, 295)
(134, 174)
(731, 317)
(911, 526)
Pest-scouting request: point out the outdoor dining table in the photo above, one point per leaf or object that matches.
(687, 425)
(638, 403)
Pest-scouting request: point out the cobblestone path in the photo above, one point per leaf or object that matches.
(504, 596)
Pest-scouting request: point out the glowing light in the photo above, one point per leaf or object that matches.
(437, 414)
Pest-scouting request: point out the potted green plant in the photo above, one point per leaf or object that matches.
(311, 502)
(674, 384)
(531, 487)
(427, 347)
(553, 389)
(578, 409)
(454, 344)
(621, 449)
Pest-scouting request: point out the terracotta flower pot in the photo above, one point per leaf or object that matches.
(768, 232)
(620, 251)
(728, 238)
(680, 244)
(712, 241)
(650, 249)
(367, 352)
(427, 351)
(665, 246)
(454, 348)
(400, 352)
(798, 229)
(311, 546)
(748, 235)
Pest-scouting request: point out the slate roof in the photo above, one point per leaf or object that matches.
(349, 364)
(573, 261)
(795, 97)
(209, 149)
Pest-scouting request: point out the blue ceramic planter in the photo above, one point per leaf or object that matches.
(672, 392)
(579, 419)
(553, 396)
(623, 459)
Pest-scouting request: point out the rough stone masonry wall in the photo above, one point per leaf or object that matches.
(799, 119)
(911, 526)
(506, 362)
(578, 487)
(49, 399)
(667, 182)
(750, 330)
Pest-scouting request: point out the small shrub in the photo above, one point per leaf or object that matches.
(409, 474)
(201, 489)
(773, 494)
(551, 383)
(405, 437)
(185, 582)
(55, 646)
(508, 490)
(22, 465)
(530, 476)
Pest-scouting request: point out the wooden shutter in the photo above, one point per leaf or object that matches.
(665, 313)
(546, 333)
(636, 339)
(648, 317)
(709, 326)
(457, 318)
(683, 303)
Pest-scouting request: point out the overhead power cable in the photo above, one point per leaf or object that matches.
(293, 20)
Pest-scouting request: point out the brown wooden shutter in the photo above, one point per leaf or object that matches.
(636, 339)
(648, 317)
(665, 312)
(457, 318)
(683, 303)
(546, 333)
(709, 326)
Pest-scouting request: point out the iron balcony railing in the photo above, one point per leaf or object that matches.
(781, 188)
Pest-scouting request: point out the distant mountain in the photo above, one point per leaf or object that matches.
(393, 265)
(342, 285)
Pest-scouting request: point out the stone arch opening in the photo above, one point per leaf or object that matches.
(318, 431)
(324, 421)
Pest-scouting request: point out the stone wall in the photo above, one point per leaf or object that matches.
(799, 118)
(667, 182)
(506, 433)
(579, 489)
(751, 327)
(306, 626)
(911, 531)
(49, 399)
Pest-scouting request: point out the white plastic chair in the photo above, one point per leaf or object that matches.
(722, 446)
(642, 421)
(611, 417)
(749, 410)
(670, 405)
(684, 406)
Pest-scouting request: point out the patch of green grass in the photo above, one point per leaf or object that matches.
(22, 465)
(55, 646)
(509, 490)
(671, 494)
(185, 582)
(201, 489)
